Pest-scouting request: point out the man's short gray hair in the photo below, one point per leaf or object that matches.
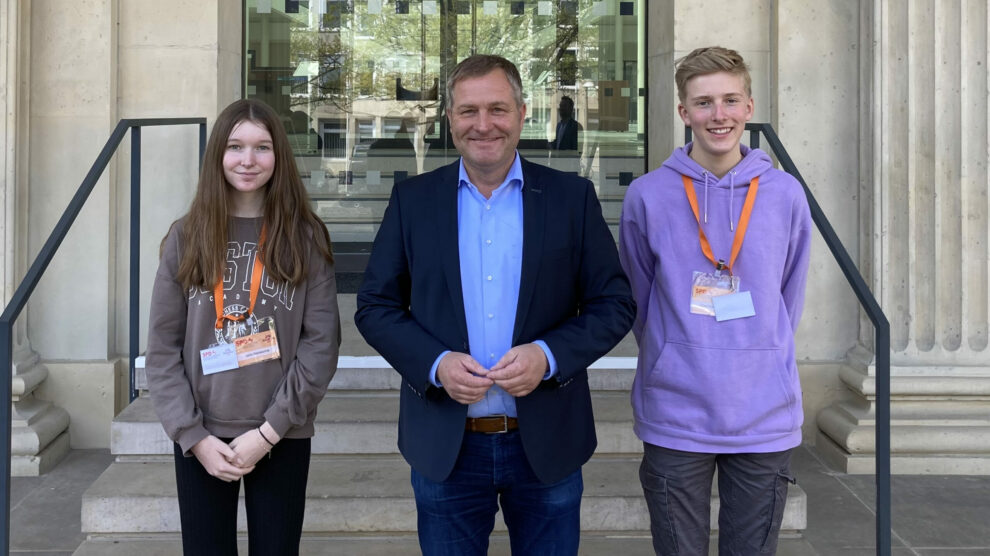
(480, 65)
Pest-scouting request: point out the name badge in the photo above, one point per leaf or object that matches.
(733, 306)
(218, 358)
(256, 348)
(242, 349)
(705, 287)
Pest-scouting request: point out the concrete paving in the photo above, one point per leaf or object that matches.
(932, 516)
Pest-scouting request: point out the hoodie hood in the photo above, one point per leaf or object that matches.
(754, 163)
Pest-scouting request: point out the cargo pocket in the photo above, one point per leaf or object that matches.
(658, 503)
(777, 504)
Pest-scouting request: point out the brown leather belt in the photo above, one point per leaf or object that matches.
(491, 425)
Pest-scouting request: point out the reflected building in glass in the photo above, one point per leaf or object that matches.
(360, 87)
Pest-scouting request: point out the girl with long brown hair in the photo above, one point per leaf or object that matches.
(243, 338)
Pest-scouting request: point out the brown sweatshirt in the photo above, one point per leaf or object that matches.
(285, 391)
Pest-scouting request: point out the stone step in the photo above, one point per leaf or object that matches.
(373, 373)
(599, 544)
(360, 422)
(592, 544)
(351, 494)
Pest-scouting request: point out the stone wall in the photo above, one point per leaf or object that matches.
(177, 59)
(71, 71)
(73, 92)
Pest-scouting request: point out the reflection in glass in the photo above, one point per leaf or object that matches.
(359, 86)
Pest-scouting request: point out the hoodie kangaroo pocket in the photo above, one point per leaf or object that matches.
(720, 392)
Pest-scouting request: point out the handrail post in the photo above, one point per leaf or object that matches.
(135, 257)
(883, 435)
(882, 330)
(19, 299)
(202, 144)
(6, 357)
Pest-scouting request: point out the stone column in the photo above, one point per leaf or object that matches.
(927, 241)
(660, 55)
(39, 437)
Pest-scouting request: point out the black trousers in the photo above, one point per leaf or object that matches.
(274, 496)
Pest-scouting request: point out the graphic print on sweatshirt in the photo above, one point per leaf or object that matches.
(272, 295)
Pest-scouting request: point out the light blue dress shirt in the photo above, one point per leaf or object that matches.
(490, 245)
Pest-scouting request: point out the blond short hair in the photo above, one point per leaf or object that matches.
(708, 60)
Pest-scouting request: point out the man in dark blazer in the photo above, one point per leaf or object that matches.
(569, 130)
(492, 286)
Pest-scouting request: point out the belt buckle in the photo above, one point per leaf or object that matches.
(505, 424)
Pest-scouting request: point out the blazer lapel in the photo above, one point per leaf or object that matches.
(534, 217)
(446, 220)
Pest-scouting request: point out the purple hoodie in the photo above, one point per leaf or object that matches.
(703, 385)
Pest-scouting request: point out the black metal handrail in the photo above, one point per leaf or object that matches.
(33, 276)
(873, 311)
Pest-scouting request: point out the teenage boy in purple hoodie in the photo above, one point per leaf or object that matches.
(715, 243)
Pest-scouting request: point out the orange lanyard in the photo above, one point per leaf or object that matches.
(255, 286)
(737, 241)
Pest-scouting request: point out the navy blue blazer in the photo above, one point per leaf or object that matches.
(573, 295)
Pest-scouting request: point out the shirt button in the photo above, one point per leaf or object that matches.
(488, 242)
(489, 278)
(491, 356)
(488, 207)
(491, 315)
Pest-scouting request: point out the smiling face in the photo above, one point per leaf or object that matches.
(248, 163)
(485, 123)
(716, 107)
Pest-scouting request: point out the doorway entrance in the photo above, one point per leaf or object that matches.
(360, 87)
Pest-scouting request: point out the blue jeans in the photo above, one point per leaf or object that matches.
(456, 517)
(752, 492)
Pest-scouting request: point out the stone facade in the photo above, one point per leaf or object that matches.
(70, 72)
(882, 104)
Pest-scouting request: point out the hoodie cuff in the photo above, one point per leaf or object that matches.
(190, 438)
(278, 420)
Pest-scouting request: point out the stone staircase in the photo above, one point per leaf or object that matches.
(359, 500)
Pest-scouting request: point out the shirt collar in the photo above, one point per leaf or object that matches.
(515, 175)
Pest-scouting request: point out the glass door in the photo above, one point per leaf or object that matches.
(360, 86)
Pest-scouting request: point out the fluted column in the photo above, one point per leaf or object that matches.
(928, 242)
(39, 432)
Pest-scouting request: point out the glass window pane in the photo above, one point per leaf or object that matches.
(359, 85)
